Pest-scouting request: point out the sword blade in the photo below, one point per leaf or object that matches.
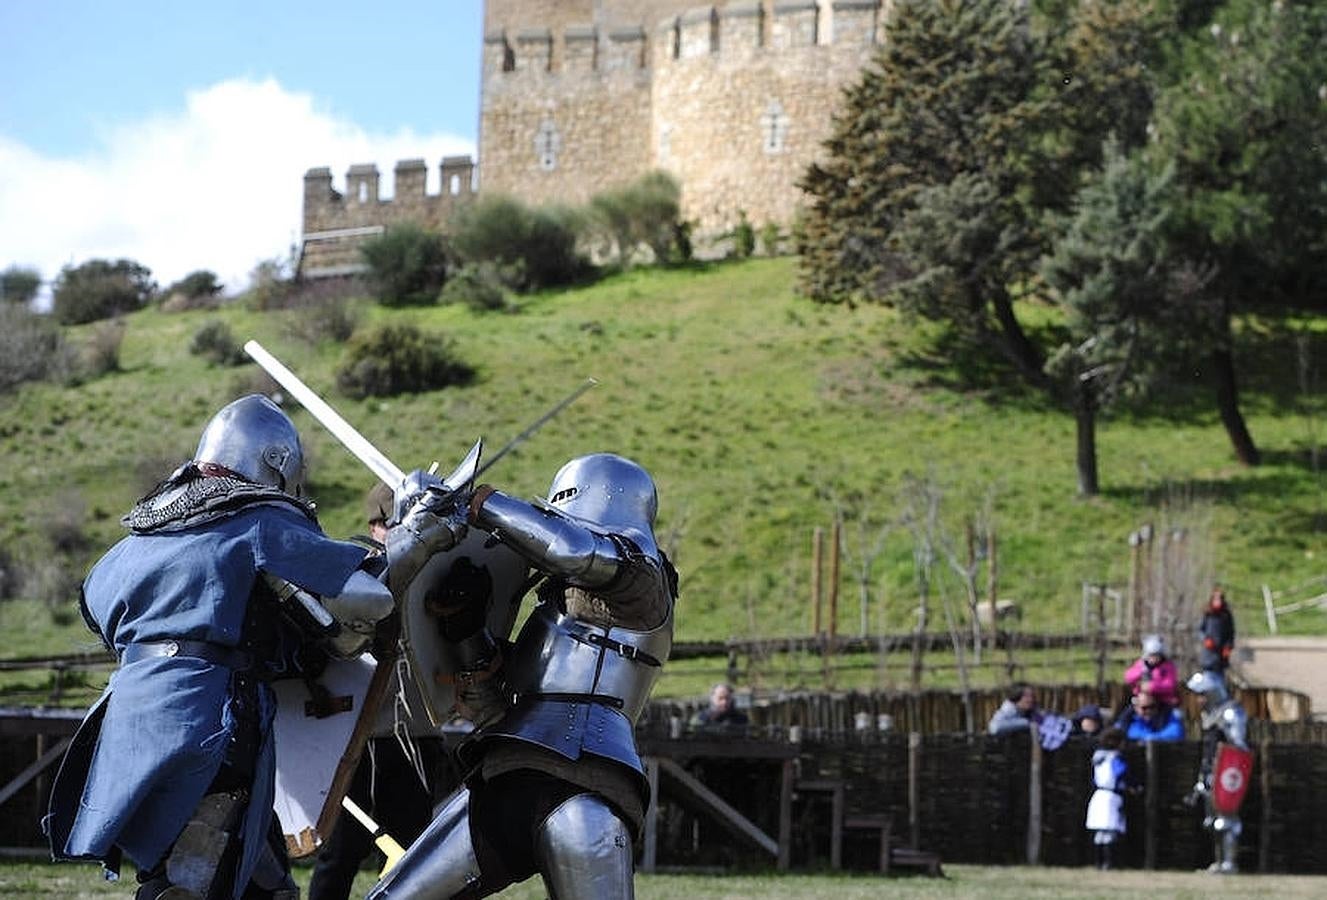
(343, 431)
(535, 426)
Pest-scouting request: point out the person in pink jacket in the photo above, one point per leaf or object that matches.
(1154, 672)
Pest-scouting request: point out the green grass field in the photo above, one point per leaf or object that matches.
(762, 416)
(76, 882)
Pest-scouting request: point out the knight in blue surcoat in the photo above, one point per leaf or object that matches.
(173, 765)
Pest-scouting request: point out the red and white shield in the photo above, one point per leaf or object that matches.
(1230, 782)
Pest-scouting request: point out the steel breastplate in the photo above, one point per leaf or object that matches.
(557, 654)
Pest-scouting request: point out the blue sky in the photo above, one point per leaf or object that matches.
(177, 133)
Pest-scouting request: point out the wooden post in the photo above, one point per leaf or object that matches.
(1135, 584)
(992, 579)
(835, 542)
(1264, 762)
(1034, 797)
(1151, 804)
(817, 554)
(914, 789)
(1270, 606)
(1103, 646)
(785, 815)
(650, 852)
(1145, 579)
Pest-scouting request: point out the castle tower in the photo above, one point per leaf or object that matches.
(734, 99)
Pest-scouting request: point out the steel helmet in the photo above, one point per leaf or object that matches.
(606, 489)
(257, 441)
(1208, 683)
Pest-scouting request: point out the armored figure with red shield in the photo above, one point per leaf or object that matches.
(1227, 764)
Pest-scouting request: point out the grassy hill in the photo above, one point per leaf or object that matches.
(762, 417)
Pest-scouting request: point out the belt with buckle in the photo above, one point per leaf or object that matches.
(229, 657)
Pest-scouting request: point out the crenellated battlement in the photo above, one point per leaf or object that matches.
(734, 30)
(336, 223)
(735, 99)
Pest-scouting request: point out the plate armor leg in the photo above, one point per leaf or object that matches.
(584, 850)
(441, 864)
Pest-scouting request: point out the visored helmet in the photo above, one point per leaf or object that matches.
(256, 440)
(1209, 684)
(606, 489)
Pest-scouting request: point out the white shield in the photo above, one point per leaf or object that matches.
(310, 743)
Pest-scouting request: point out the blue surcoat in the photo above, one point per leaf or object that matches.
(166, 722)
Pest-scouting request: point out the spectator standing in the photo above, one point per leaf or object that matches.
(1105, 809)
(1017, 712)
(1216, 634)
(1154, 672)
(721, 711)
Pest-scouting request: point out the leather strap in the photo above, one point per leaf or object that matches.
(229, 657)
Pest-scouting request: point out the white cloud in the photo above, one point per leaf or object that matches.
(216, 186)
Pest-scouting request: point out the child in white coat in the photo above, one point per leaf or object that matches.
(1105, 811)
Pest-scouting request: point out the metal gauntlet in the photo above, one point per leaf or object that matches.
(432, 524)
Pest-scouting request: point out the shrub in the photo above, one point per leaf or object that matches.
(771, 239)
(744, 236)
(536, 246)
(270, 285)
(64, 523)
(322, 310)
(407, 265)
(643, 212)
(215, 343)
(100, 290)
(53, 580)
(101, 353)
(31, 347)
(480, 286)
(398, 359)
(9, 574)
(197, 290)
(19, 284)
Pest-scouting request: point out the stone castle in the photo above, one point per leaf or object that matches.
(578, 96)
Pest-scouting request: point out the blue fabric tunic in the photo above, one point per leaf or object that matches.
(168, 720)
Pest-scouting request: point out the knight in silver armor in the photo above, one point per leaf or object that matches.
(1223, 721)
(556, 784)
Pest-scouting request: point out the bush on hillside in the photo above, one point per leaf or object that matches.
(32, 348)
(644, 212)
(19, 284)
(407, 265)
(537, 246)
(197, 290)
(480, 286)
(99, 289)
(744, 236)
(101, 353)
(399, 359)
(216, 344)
(271, 285)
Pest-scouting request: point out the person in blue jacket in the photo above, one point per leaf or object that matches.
(1153, 721)
(173, 765)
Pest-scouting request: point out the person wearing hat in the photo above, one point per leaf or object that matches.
(1154, 673)
(1089, 721)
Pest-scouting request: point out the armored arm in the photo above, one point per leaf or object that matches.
(431, 520)
(1235, 726)
(343, 623)
(553, 543)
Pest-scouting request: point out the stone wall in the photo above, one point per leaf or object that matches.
(735, 99)
(578, 96)
(336, 224)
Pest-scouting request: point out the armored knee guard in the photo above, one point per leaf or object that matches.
(441, 863)
(583, 849)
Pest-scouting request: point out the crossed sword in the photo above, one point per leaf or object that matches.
(390, 474)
